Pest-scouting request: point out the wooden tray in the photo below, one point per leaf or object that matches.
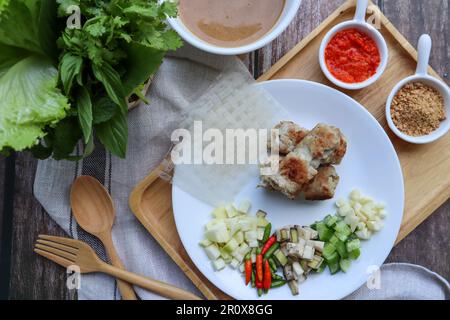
(425, 168)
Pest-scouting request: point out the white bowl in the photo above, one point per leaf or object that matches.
(289, 11)
(421, 75)
(360, 24)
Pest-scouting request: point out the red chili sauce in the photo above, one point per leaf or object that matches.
(352, 56)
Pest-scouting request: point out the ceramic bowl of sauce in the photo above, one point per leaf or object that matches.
(233, 26)
(353, 54)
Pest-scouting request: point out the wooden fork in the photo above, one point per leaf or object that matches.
(67, 252)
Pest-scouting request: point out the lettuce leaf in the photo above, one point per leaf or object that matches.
(29, 98)
(29, 101)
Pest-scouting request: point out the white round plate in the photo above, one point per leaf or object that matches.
(371, 165)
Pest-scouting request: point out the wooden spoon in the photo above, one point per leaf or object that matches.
(93, 210)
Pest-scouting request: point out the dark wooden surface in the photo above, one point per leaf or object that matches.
(23, 275)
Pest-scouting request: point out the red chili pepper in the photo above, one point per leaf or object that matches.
(267, 275)
(268, 244)
(248, 271)
(259, 267)
(258, 284)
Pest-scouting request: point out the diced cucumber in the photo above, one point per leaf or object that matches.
(330, 221)
(244, 206)
(204, 243)
(218, 264)
(334, 267)
(342, 228)
(212, 251)
(344, 264)
(354, 254)
(260, 233)
(333, 239)
(231, 246)
(218, 233)
(341, 236)
(219, 213)
(353, 244)
(353, 236)
(341, 249)
(333, 258)
(328, 250)
(280, 257)
(325, 233)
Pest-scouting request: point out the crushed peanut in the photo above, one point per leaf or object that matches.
(417, 109)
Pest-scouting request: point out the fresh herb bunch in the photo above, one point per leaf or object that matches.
(120, 44)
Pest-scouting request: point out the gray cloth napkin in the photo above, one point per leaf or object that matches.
(182, 78)
(404, 281)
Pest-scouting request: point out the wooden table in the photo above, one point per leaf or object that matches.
(23, 275)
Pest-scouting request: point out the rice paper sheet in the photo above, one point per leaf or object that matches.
(234, 101)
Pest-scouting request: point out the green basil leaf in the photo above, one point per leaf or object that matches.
(66, 135)
(85, 112)
(141, 63)
(112, 83)
(113, 134)
(103, 110)
(69, 68)
(48, 28)
(89, 147)
(41, 152)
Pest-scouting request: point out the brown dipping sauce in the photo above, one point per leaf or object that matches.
(230, 23)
